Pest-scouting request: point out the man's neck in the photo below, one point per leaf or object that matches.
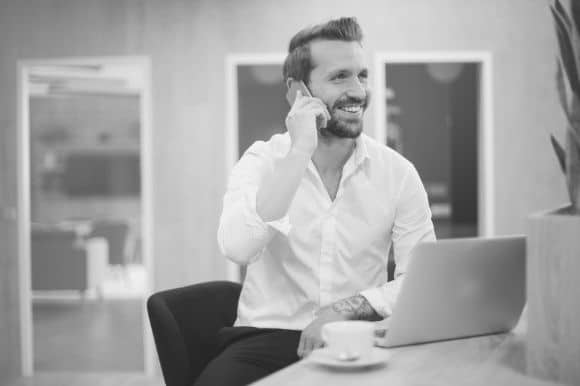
(332, 153)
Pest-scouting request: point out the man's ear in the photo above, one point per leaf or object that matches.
(289, 82)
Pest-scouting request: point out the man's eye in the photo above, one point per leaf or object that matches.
(340, 75)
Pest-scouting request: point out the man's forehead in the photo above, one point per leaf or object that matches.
(329, 54)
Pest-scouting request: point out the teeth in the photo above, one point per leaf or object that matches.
(351, 109)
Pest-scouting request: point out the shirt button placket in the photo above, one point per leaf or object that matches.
(327, 252)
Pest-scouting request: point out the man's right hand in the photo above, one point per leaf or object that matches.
(301, 122)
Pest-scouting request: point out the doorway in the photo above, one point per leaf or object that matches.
(435, 109)
(85, 214)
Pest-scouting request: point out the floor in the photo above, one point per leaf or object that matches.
(88, 336)
(91, 334)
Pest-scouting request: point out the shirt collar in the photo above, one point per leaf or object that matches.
(361, 151)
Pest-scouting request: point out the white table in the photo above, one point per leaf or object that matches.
(487, 360)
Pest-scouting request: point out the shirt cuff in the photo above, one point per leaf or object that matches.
(260, 226)
(380, 300)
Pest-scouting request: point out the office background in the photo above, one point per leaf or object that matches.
(188, 42)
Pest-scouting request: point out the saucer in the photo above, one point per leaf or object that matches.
(324, 357)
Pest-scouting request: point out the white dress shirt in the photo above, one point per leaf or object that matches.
(322, 250)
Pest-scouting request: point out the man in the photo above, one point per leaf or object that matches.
(313, 213)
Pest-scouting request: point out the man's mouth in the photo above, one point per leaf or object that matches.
(354, 109)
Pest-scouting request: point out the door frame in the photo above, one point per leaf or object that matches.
(233, 272)
(485, 162)
(25, 68)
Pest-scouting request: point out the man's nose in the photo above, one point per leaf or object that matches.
(357, 89)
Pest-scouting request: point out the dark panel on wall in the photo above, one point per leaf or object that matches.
(464, 155)
(422, 119)
(262, 106)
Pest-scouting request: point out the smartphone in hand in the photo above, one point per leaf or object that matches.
(291, 97)
(293, 90)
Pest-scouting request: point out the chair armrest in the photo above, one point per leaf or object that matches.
(185, 322)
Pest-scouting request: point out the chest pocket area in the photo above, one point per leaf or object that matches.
(364, 220)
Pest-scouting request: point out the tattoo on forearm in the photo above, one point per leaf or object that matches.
(356, 307)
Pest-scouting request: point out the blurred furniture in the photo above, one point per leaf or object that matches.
(82, 227)
(60, 260)
(116, 232)
(185, 322)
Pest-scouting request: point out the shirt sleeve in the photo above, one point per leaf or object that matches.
(412, 225)
(242, 234)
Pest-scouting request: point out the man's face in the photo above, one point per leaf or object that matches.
(339, 79)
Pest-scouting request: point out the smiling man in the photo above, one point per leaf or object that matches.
(313, 212)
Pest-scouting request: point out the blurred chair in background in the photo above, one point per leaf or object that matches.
(60, 260)
(116, 232)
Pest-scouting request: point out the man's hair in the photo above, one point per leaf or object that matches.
(298, 63)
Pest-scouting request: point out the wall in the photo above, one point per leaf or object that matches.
(188, 40)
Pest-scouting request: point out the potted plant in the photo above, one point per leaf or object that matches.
(553, 246)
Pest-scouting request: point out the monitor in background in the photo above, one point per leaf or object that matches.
(102, 175)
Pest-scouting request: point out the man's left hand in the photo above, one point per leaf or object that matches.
(311, 337)
(354, 308)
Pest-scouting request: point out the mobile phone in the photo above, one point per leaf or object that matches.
(293, 90)
(291, 97)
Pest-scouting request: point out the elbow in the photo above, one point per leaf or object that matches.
(234, 256)
(235, 248)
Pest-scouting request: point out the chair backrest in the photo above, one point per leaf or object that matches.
(185, 322)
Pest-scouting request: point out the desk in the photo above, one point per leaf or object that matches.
(488, 360)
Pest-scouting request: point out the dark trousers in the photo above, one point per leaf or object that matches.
(246, 354)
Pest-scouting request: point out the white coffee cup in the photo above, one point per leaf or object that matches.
(349, 340)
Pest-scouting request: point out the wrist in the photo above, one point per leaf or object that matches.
(344, 313)
(301, 152)
(356, 308)
(330, 314)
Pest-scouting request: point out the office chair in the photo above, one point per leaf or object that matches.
(185, 322)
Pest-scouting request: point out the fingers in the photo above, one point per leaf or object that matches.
(311, 108)
(305, 102)
(300, 350)
(307, 344)
(321, 111)
(300, 100)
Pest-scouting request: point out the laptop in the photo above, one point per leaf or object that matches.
(457, 288)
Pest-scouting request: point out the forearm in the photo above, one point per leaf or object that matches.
(278, 188)
(356, 308)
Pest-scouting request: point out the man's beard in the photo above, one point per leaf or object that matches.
(344, 128)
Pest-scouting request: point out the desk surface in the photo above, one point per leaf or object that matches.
(487, 360)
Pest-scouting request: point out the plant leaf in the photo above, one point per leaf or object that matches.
(574, 121)
(561, 87)
(575, 38)
(563, 14)
(575, 13)
(573, 170)
(566, 52)
(560, 153)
